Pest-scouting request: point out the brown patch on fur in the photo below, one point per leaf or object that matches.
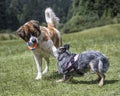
(26, 29)
(51, 35)
(29, 27)
(54, 35)
(51, 26)
(33, 26)
(46, 37)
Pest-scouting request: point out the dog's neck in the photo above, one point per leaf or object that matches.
(64, 55)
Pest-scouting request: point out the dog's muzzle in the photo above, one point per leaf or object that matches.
(33, 40)
(32, 43)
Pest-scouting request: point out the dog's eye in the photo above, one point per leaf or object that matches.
(63, 50)
(33, 34)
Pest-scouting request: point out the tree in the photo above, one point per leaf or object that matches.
(2, 14)
(14, 13)
(91, 13)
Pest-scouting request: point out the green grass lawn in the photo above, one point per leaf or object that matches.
(18, 69)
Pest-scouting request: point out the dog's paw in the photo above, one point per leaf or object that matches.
(101, 83)
(60, 80)
(45, 72)
(39, 77)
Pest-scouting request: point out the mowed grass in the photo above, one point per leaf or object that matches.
(18, 69)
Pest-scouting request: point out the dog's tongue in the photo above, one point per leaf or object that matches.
(32, 47)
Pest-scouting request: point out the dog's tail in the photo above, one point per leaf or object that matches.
(51, 19)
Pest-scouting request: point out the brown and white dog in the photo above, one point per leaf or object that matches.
(48, 39)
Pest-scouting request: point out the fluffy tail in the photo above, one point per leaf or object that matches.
(51, 18)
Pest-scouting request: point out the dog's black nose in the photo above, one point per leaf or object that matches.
(34, 40)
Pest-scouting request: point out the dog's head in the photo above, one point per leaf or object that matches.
(30, 31)
(64, 49)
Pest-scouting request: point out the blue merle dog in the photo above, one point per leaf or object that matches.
(70, 63)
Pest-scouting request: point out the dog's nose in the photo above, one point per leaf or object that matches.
(34, 40)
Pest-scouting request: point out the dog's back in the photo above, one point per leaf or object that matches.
(98, 60)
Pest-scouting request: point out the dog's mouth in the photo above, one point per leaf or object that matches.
(32, 43)
(32, 46)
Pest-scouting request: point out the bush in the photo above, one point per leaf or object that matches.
(78, 23)
(7, 36)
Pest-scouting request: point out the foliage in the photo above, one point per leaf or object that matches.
(2, 14)
(18, 69)
(75, 15)
(14, 13)
(91, 13)
(7, 36)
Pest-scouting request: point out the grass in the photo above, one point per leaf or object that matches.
(18, 69)
(7, 36)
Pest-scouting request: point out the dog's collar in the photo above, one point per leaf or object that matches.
(32, 47)
(72, 61)
(71, 64)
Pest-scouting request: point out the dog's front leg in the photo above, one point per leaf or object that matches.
(65, 78)
(68, 77)
(38, 61)
(61, 80)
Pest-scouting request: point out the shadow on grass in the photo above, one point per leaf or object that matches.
(93, 82)
(56, 76)
(53, 76)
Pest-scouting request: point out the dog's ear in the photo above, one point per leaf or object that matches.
(67, 46)
(20, 32)
(36, 25)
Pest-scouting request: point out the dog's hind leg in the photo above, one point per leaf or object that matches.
(99, 77)
(101, 74)
(101, 82)
(47, 66)
(96, 66)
